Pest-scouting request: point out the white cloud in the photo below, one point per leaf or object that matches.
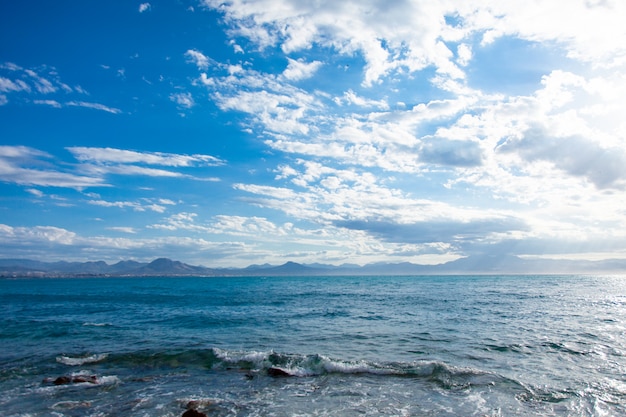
(31, 167)
(123, 229)
(300, 69)
(51, 103)
(136, 206)
(95, 106)
(122, 156)
(35, 192)
(411, 35)
(464, 54)
(180, 221)
(43, 85)
(7, 85)
(198, 58)
(385, 36)
(20, 165)
(350, 97)
(184, 100)
(144, 7)
(540, 21)
(102, 170)
(26, 235)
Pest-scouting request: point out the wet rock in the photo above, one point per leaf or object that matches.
(62, 380)
(193, 413)
(278, 373)
(78, 379)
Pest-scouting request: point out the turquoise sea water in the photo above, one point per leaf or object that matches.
(354, 346)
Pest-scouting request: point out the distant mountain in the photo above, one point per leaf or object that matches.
(289, 268)
(490, 264)
(125, 266)
(164, 266)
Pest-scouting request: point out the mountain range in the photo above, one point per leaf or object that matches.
(168, 267)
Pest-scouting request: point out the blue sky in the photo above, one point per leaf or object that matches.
(230, 133)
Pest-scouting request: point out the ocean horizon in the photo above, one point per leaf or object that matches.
(472, 345)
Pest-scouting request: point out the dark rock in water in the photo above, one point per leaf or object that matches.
(277, 372)
(62, 380)
(193, 413)
(90, 379)
(66, 380)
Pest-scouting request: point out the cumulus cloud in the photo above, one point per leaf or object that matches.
(144, 7)
(605, 167)
(300, 69)
(198, 58)
(459, 153)
(351, 98)
(277, 106)
(384, 35)
(25, 236)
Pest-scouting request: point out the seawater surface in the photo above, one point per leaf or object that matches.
(353, 346)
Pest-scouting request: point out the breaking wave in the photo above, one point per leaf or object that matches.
(82, 360)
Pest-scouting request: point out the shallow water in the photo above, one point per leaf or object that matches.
(397, 346)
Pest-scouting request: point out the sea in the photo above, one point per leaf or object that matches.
(314, 346)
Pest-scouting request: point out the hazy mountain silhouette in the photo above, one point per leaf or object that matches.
(166, 267)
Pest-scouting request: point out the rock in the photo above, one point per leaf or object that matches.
(193, 413)
(92, 379)
(66, 380)
(277, 372)
(62, 380)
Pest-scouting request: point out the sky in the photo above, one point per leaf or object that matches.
(227, 133)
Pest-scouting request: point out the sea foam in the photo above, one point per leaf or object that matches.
(78, 361)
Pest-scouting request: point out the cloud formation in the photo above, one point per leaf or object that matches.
(355, 131)
(123, 156)
(28, 166)
(32, 84)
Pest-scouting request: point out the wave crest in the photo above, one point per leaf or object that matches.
(79, 361)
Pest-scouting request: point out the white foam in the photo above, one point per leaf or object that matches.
(67, 360)
(71, 405)
(233, 357)
(108, 380)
